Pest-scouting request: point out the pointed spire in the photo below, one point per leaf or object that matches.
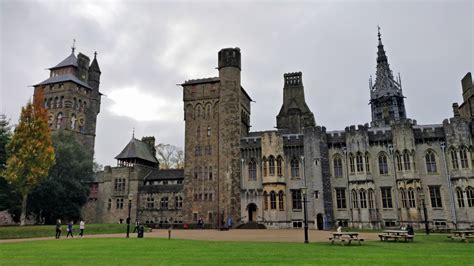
(133, 133)
(95, 55)
(73, 48)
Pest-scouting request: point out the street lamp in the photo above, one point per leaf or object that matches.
(425, 213)
(130, 197)
(303, 191)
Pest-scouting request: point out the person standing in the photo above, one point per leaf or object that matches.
(69, 230)
(136, 226)
(82, 226)
(58, 229)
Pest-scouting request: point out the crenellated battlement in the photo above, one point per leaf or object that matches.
(293, 78)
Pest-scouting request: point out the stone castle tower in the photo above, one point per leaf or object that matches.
(217, 115)
(294, 113)
(386, 97)
(72, 97)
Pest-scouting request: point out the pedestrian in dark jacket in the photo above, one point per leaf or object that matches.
(69, 229)
(58, 229)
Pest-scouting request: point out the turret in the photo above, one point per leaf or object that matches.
(94, 74)
(82, 67)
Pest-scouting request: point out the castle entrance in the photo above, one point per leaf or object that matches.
(320, 221)
(252, 211)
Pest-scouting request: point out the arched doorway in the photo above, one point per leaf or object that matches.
(320, 221)
(252, 211)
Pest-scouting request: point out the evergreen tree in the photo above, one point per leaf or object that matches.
(30, 151)
(65, 190)
(7, 195)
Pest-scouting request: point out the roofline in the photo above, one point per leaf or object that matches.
(88, 87)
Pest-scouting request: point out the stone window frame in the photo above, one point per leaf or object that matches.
(296, 199)
(252, 170)
(359, 162)
(398, 157)
(463, 157)
(363, 198)
(279, 166)
(178, 202)
(406, 160)
(351, 163)
(295, 168)
(281, 200)
(337, 166)
(430, 162)
(273, 200)
(470, 196)
(265, 200)
(454, 158)
(435, 197)
(355, 202)
(403, 198)
(460, 197)
(341, 201)
(383, 163)
(386, 197)
(411, 198)
(164, 203)
(271, 165)
(367, 162)
(371, 198)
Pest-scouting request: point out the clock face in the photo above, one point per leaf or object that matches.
(82, 121)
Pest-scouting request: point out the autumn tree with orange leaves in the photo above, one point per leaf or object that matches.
(30, 151)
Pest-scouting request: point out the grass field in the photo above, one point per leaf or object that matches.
(432, 250)
(8, 232)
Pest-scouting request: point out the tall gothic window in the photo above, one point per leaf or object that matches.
(463, 157)
(367, 162)
(296, 196)
(279, 170)
(460, 197)
(59, 120)
(198, 132)
(470, 196)
(252, 170)
(399, 161)
(210, 172)
(355, 203)
(359, 162)
(272, 200)
(341, 198)
(363, 198)
(178, 201)
(265, 200)
(386, 197)
(371, 199)
(264, 164)
(295, 168)
(406, 160)
(351, 163)
(411, 198)
(208, 131)
(454, 159)
(403, 196)
(383, 165)
(435, 196)
(337, 165)
(271, 165)
(281, 201)
(430, 162)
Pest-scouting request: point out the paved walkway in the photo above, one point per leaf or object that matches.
(257, 235)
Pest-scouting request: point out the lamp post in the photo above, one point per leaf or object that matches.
(305, 212)
(130, 197)
(425, 213)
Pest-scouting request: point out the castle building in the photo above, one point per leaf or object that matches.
(380, 174)
(72, 97)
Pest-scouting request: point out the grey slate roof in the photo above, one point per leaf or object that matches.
(71, 60)
(137, 149)
(95, 66)
(63, 78)
(165, 174)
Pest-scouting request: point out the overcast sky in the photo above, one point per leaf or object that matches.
(145, 48)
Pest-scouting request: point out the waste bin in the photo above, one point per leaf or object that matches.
(141, 231)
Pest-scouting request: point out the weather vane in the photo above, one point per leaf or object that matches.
(73, 48)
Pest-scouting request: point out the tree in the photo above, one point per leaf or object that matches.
(30, 151)
(65, 190)
(169, 156)
(8, 197)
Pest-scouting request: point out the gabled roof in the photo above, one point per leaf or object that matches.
(71, 60)
(63, 78)
(137, 149)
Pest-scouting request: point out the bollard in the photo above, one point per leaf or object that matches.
(169, 234)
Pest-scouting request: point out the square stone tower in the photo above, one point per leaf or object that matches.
(217, 114)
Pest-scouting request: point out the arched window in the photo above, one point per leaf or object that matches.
(367, 162)
(208, 111)
(264, 164)
(399, 161)
(164, 203)
(252, 170)
(371, 199)
(355, 203)
(337, 165)
(198, 132)
(73, 121)
(208, 131)
(59, 120)
(265, 200)
(460, 197)
(406, 160)
(273, 200)
(295, 168)
(271, 165)
(454, 159)
(359, 162)
(463, 157)
(197, 172)
(411, 198)
(470, 196)
(61, 102)
(210, 172)
(74, 106)
(150, 203)
(383, 165)
(178, 202)
(363, 198)
(351, 163)
(430, 162)
(403, 196)
(281, 201)
(198, 111)
(279, 171)
(56, 102)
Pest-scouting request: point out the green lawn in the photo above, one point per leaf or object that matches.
(7, 232)
(432, 250)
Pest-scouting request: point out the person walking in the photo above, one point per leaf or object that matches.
(136, 226)
(58, 229)
(69, 230)
(82, 226)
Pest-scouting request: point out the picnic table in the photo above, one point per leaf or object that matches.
(395, 235)
(345, 236)
(464, 235)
